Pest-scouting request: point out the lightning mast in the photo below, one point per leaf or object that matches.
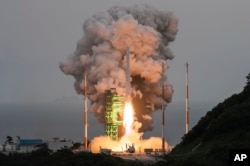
(128, 87)
(187, 104)
(163, 113)
(85, 111)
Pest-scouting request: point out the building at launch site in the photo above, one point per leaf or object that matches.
(114, 104)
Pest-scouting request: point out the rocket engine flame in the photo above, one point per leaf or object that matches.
(128, 118)
(102, 50)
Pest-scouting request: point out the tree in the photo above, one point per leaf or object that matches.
(76, 146)
(248, 79)
(43, 150)
(9, 140)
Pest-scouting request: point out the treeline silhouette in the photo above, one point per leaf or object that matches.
(225, 127)
(43, 156)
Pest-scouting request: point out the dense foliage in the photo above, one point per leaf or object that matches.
(225, 127)
(64, 158)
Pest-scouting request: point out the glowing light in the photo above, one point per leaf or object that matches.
(128, 117)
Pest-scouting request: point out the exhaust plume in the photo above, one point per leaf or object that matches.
(102, 52)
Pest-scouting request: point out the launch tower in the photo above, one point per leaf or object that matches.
(113, 105)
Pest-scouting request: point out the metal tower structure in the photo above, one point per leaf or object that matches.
(128, 86)
(85, 118)
(187, 102)
(113, 105)
(163, 113)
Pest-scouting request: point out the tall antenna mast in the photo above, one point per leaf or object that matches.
(85, 111)
(128, 86)
(162, 106)
(187, 104)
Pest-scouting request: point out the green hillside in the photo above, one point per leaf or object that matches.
(226, 126)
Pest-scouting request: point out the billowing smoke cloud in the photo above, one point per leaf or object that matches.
(101, 51)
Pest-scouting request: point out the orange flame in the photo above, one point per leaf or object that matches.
(131, 137)
(128, 117)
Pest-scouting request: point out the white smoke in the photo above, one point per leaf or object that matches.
(147, 33)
